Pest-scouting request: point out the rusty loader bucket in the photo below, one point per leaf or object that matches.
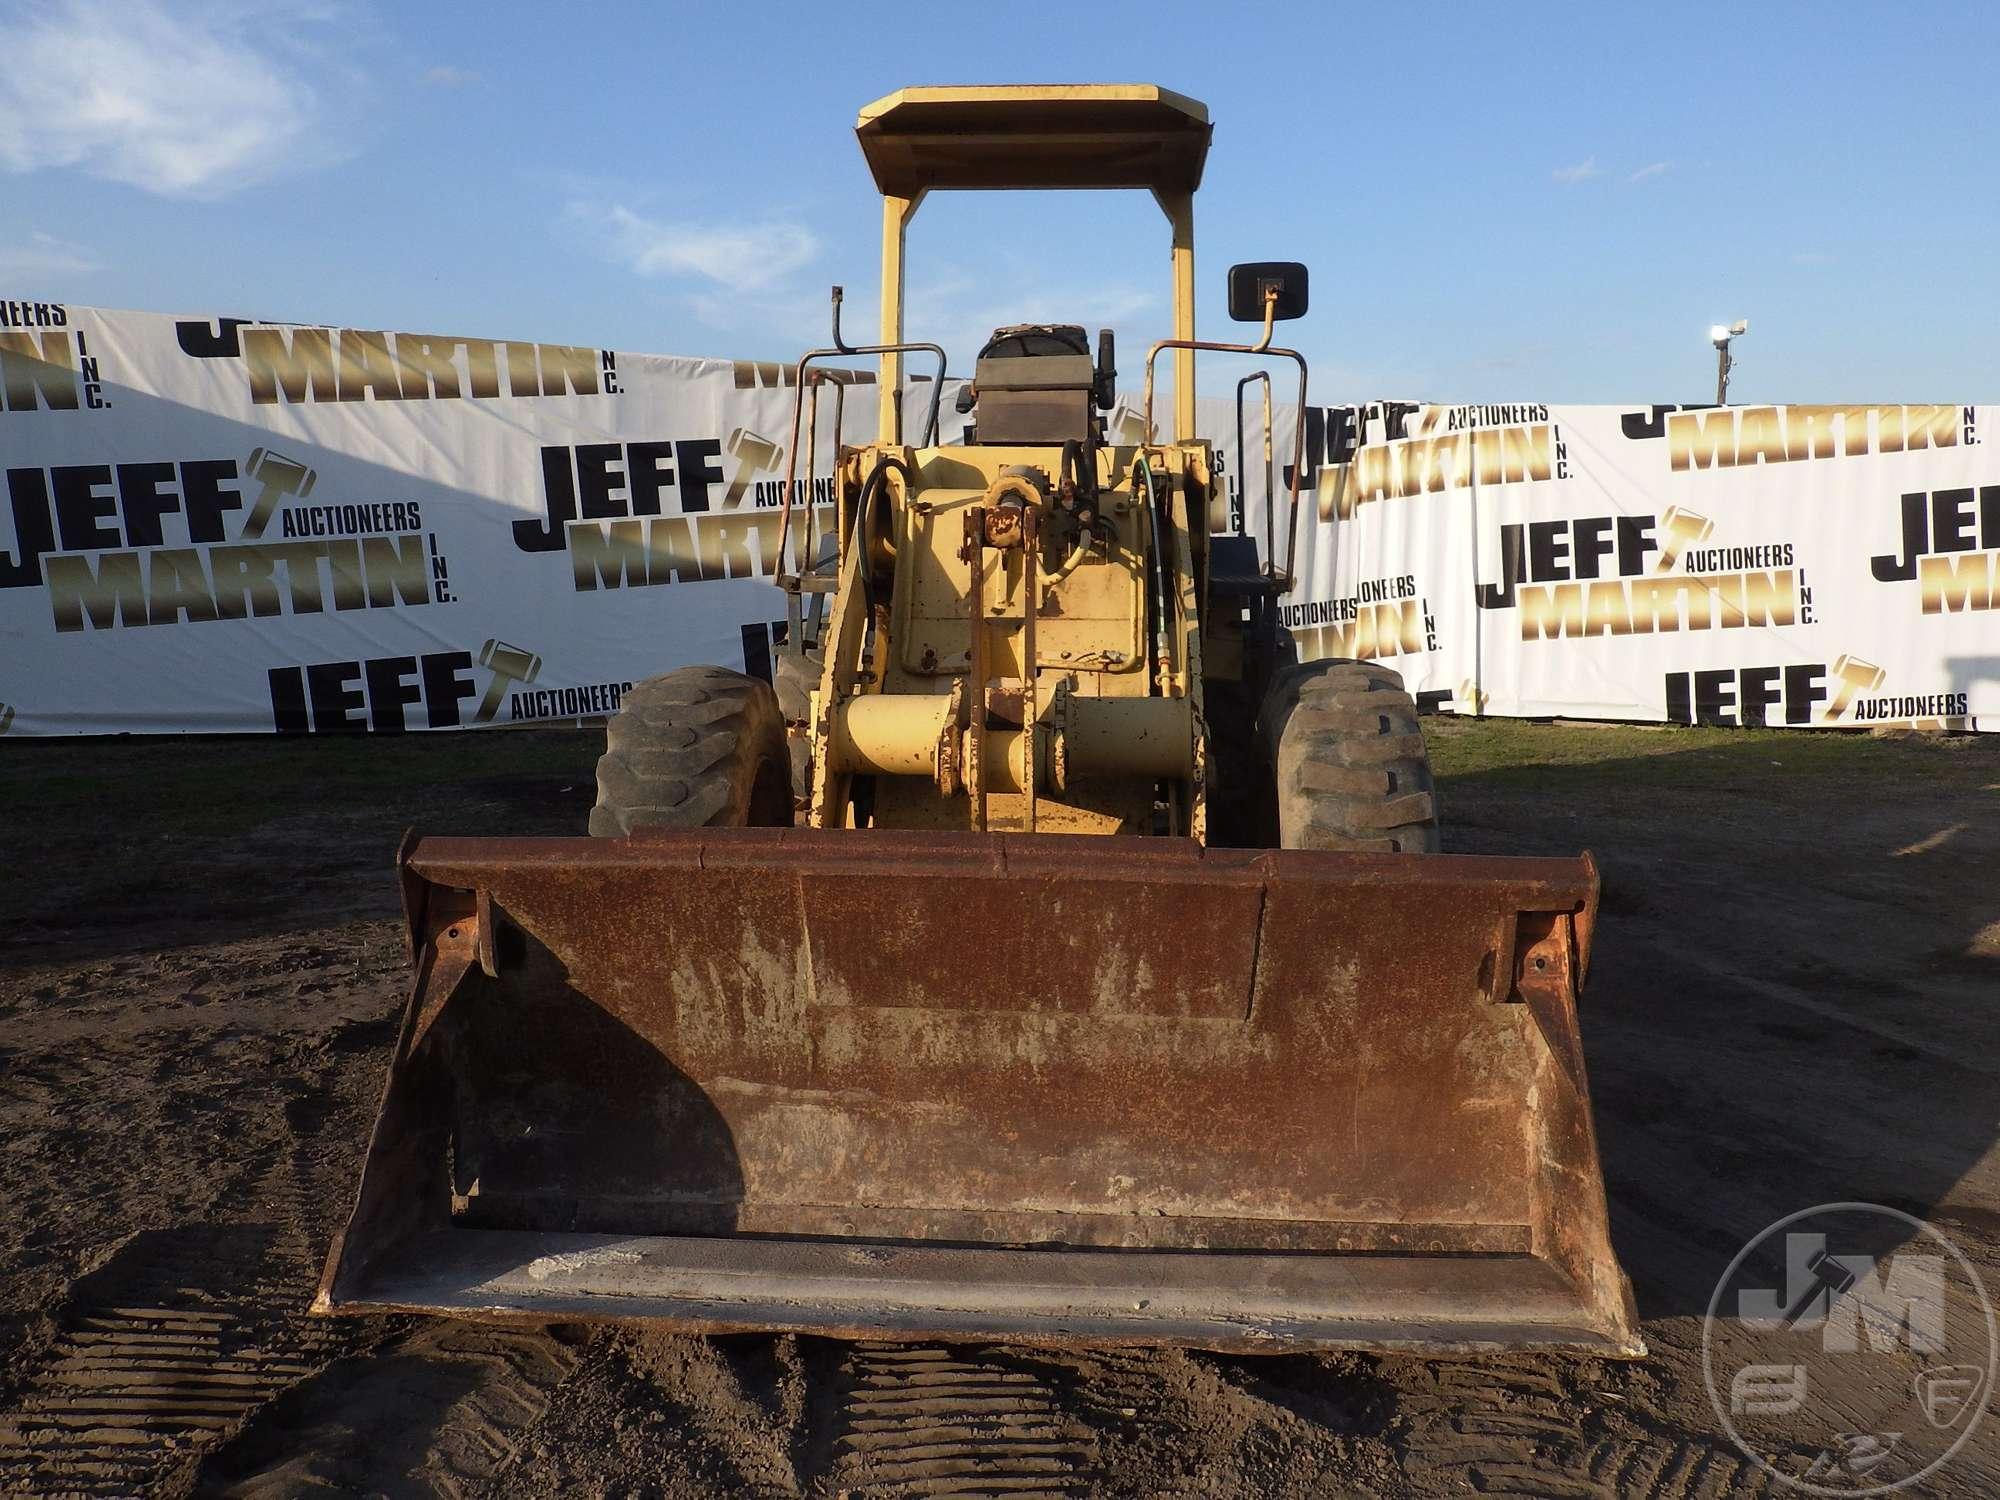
(1044, 1088)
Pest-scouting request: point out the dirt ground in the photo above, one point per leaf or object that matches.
(1792, 1002)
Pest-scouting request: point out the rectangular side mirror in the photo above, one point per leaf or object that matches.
(1248, 281)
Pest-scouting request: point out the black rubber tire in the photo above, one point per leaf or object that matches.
(1344, 761)
(698, 748)
(796, 678)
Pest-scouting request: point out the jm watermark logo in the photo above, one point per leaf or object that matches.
(1850, 1349)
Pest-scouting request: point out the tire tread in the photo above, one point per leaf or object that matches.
(693, 748)
(1344, 753)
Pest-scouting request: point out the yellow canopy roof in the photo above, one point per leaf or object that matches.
(1062, 135)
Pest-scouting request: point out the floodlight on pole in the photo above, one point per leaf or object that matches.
(1720, 335)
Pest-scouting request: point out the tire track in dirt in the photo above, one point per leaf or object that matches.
(920, 1421)
(1533, 1428)
(162, 1354)
(440, 1404)
(169, 1349)
(438, 1408)
(1675, 1466)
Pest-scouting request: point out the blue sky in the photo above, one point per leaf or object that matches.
(1514, 203)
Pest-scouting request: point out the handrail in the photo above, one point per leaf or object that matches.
(841, 349)
(1243, 476)
(1262, 346)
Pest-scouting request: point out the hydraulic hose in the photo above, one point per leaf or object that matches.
(1143, 474)
(1079, 472)
(864, 520)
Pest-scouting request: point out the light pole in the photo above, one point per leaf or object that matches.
(1720, 336)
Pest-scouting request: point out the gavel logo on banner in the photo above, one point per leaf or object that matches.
(509, 665)
(753, 454)
(1684, 529)
(280, 476)
(1855, 677)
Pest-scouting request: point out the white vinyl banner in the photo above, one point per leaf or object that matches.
(1765, 565)
(220, 525)
(234, 526)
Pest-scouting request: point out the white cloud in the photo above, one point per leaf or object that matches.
(1651, 169)
(749, 256)
(789, 319)
(187, 104)
(44, 255)
(445, 76)
(1582, 170)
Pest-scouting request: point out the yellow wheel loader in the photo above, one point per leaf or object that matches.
(1047, 958)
